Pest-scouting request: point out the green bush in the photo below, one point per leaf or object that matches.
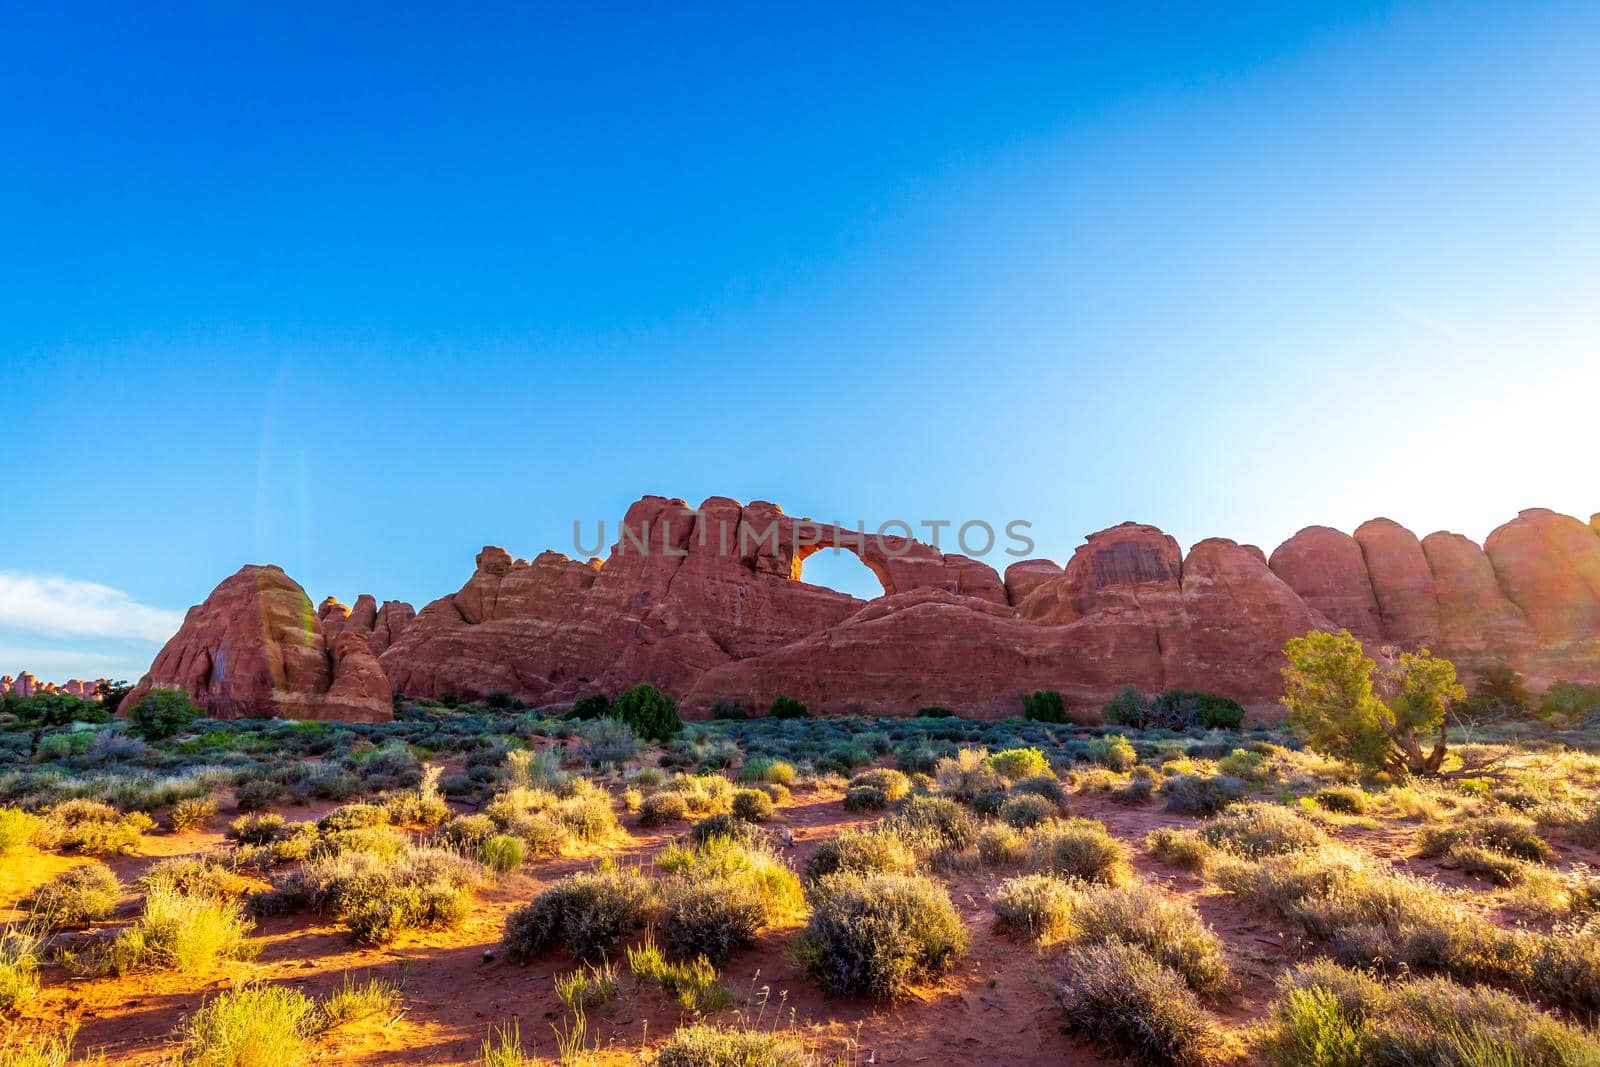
(1569, 703)
(1118, 994)
(500, 853)
(1027, 810)
(787, 708)
(769, 770)
(163, 713)
(874, 935)
(658, 808)
(1045, 705)
(1345, 799)
(19, 967)
(17, 829)
(710, 918)
(77, 896)
(588, 914)
(192, 814)
(183, 932)
(931, 823)
(1114, 751)
(256, 829)
(649, 712)
(934, 711)
(380, 896)
(1261, 829)
(593, 706)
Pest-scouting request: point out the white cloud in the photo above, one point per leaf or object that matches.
(51, 604)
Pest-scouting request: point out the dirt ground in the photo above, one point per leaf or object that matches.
(997, 1006)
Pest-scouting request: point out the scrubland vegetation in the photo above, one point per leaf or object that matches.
(489, 884)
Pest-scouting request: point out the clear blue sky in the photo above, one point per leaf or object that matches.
(359, 289)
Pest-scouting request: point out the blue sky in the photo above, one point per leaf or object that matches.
(360, 289)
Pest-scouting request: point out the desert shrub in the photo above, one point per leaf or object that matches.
(1182, 848)
(1260, 829)
(1169, 931)
(587, 987)
(378, 898)
(76, 896)
(501, 853)
(861, 851)
(1037, 906)
(1345, 799)
(192, 814)
(694, 981)
(766, 769)
(161, 714)
(893, 784)
(1569, 703)
(1014, 764)
(607, 741)
(252, 1026)
(423, 806)
(663, 807)
(354, 817)
(1117, 993)
(752, 805)
(1327, 1016)
(257, 794)
(935, 711)
(588, 914)
(256, 829)
(1002, 846)
(920, 758)
(721, 859)
(379, 841)
(19, 966)
(1487, 862)
(712, 1045)
(783, 707)
(95, 829)
(865, 798)
(966, 775)
(1027, 810)
(593, 706)
(1139, 788)
(1045, 705)
(1047, 786)
(929, 824)
(874, 935)
(1193, 794)
(727, 826)
(18, 829)
(1114, 751)
(185, 932)
(710, 918)
(202, 875)
(464, 833)
(1513, 835)
(1082, 849)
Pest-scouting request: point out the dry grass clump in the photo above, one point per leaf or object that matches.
(694, 981)
(76, 897)
(876, 789)
(709, 1045)
(20, 948)
(752, 805)
(687, 796)
(259, 828)
(18, 830)
(186, 932)
(45, 1050)
(1342, 799)
(253, 1026)
(1261, 829)
(1328, 1016)
(1015, 764)
(203, 875)
(1509, 834)
(1027, 809)
(770, 771)
(588, 914)
(876, 934)
(1036, 906)
(1136, 1006)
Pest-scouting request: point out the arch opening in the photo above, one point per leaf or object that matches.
(841, 570)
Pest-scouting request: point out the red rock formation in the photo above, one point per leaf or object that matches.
(709, 603)
(1329, 572)
(255, 647)
(1408, 604)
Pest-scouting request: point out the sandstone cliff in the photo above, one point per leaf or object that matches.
(708, 604)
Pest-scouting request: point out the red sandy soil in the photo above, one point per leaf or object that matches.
(996, 1007)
